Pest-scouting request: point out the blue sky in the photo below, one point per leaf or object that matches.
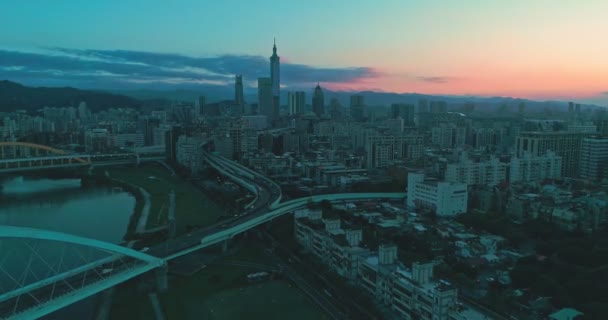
(535, 49)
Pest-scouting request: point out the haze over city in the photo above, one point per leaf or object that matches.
(527, 49)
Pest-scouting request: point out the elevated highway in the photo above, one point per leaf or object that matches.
(61, 288)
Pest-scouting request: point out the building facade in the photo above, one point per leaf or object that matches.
(535, 168)
(444, 198)
(594, 158)
(296, 102)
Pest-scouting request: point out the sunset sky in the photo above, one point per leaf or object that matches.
(538, 49)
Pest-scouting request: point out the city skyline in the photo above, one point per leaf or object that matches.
(538, 51)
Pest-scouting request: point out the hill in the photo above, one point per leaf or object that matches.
(14, 96)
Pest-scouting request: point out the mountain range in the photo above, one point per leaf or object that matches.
(14, 96)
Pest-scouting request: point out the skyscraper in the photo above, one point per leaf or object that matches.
(405, 111)
(357, 108)
(238, 90)
(594, 158)
(275, 78)
(296, 102)
(318, 102)
(201, 105)
(265, 103)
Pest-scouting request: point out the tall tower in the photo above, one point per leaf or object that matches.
(265, 106)
(318, 101)
(357, 108)
(275, 77)
(238, 90)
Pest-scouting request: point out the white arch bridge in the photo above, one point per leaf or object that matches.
(43, 271)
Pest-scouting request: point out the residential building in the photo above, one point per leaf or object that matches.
(410, 293)
(384, 149)
(489, 172)
(336, 247)
(565, 144)
(444, 198)
(535, 168)
(128, 140)
(96, 140)
(357, 108)
(404, 111)
(594, 158)
(448, 136)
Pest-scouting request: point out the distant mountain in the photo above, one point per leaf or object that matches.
(14, 96)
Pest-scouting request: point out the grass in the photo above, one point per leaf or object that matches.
(269, 300)
(221, 292)
(193, 207)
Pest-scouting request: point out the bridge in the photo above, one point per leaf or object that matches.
(90, 277)
(24, 156)
(43, 271)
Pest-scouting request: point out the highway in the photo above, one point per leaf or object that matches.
(265, 208)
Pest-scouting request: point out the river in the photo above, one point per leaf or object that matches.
(62, 205)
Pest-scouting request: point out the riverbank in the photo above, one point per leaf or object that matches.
(193, 208)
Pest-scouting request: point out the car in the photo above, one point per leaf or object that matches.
(144, 249)
(106, 271)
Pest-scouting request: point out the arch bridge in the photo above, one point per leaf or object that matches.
(25, 156)
(43, 271)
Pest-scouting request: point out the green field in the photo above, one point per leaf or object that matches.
(221, 292)
(193, 207)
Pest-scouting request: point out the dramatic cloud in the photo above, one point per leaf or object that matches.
(118, 68)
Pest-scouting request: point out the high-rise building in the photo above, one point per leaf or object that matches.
(318, 101)
(238, 91)
(265, 102)
(423, 106)
(563, 143)
(403, 111)
(594, 158)
(357, 108)
(171, 137)
(439, 107)
(296, 102)
(522, 108)
(275, 78)
(201, 105)
(491, 172)
(535, 168)
(335, 109)
(150, 123)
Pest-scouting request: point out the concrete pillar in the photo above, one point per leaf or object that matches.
(225, 245)
(162, 284)
(158, 310)
(171, 214)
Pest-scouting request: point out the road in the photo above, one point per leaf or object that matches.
(265, 209)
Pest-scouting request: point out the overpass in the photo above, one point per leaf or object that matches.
(61, 288)
(25, 156)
